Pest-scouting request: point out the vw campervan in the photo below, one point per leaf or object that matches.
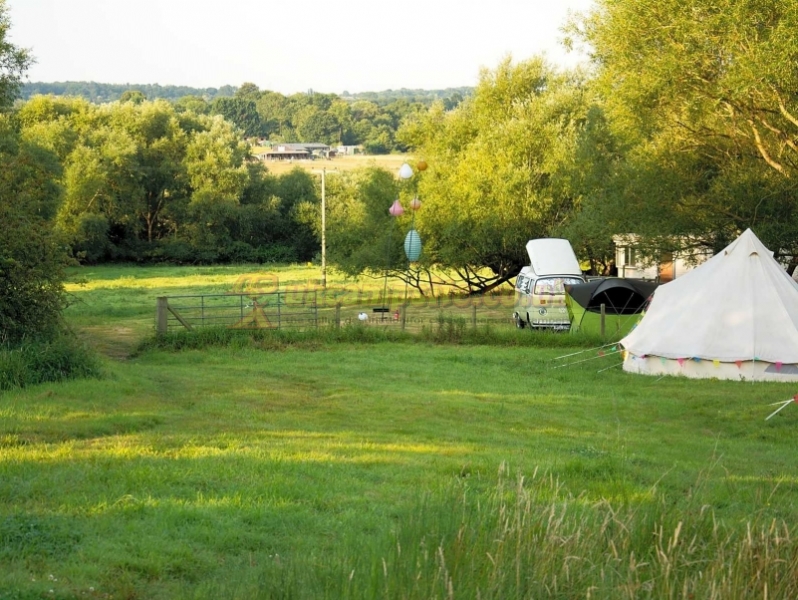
(540, 287)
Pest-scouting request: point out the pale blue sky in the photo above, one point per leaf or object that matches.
(286, 45)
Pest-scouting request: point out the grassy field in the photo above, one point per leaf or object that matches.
(351, 466)
(391, 162)
(114, 307)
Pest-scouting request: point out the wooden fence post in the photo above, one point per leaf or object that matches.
(404, 315)
(338, 315)
(161, 315)
(473, 313)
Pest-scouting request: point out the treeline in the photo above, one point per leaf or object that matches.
(369, 119)
(315, 117)
(450, 96)
(143, 181)
(111, 92)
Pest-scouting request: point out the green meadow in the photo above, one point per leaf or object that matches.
(368, 462)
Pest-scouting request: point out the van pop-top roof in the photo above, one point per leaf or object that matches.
(552, 256)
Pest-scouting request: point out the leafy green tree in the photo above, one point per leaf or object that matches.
(241, 112)
(494, 170)
(14, 61)
(317, 126)
(273, 109)
(195, 104)
(248, 91)
(159, 178)
(300, 205)
(32, 258)
(217, 176)
(703, 95)
(134, 96)
(363, 237)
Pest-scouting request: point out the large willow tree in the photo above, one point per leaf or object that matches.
(498, 167)
(703, 96)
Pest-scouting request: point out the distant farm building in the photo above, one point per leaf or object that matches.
(297, 152)
(349, 150)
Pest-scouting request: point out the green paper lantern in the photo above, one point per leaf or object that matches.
(412, 245)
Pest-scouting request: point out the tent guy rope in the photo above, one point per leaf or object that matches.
(784, 404)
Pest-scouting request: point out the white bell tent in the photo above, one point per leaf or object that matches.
(733, 317)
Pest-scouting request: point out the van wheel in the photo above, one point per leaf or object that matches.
(519, 322)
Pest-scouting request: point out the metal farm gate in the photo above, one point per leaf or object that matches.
(276, 310)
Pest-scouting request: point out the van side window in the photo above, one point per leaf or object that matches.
(519, 284)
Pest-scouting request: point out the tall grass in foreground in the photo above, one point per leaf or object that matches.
(528, 539)
(34, 361)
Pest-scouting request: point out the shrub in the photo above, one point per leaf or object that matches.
(32, 362)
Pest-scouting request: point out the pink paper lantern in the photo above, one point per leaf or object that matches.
(396, 209)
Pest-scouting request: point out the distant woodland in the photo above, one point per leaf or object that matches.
(369, 119)
(110, 92)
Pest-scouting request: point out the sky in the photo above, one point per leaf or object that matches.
(286, 46)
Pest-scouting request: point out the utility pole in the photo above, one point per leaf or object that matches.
(323, 232)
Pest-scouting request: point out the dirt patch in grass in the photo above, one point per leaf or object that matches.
(114, 341)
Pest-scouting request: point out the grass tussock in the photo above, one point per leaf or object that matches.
(529, 539)
(446, 331)
(59, 359)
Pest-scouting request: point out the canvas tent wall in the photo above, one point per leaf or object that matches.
(733, 317)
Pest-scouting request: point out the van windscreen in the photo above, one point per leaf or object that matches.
(554, 285)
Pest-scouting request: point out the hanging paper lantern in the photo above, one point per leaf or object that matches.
(412, 245)
(415, 203)
(396, 209)
(405, 171)
(421, 165)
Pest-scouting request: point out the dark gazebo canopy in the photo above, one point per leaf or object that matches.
(619, 296)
